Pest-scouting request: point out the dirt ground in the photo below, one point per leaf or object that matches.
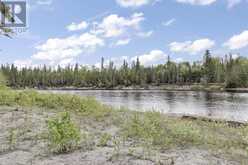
(22, 142)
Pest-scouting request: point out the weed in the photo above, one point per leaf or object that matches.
(64, 136)
(12, 138)
(117, 144)
(147, 127)
(116, 152)
(105, 138)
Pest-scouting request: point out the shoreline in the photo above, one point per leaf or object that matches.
(109, 135)
(204, 88)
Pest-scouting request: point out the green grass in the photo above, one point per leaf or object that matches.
(150, 129)
(29, 98)
(162, 132)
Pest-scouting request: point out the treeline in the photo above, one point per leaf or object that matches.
(232, 72)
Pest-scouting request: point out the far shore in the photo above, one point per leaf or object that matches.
(194, 87)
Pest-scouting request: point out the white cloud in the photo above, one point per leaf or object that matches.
(238, 41)
(145, 34)
(197, 2)
(66, 62)
(135, 3)
(113, 29)
(235, 56)
(114, 25)
(154, 57)
(118, 61)
(192, 47)
(75, 27)
(59, 50)
(23, 63)
(179, 60)
(169, 22)
(123, 42)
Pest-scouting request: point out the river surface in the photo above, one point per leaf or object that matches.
(220, 105)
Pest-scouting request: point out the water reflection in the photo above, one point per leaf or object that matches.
(231, 106)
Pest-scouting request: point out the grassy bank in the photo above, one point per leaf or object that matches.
(121, 133)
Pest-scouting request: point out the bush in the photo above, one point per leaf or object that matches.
(105, 138)
(64, 136)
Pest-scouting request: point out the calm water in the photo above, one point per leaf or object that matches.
(231, 106)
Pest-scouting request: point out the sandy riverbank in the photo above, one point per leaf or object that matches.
(112, 136)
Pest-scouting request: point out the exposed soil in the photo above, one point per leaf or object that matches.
(23, 142)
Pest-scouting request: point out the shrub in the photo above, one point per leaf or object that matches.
(105, 138)
(64, 136)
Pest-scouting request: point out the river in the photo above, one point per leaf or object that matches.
(220, 105)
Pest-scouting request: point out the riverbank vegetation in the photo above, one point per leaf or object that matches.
(230, 71)
(69, 124)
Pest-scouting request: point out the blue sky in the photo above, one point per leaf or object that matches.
(63, 32)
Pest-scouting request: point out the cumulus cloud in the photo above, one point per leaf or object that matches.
(75, 27)
(118, 61)
(57, 50)
(197, 2)
(113, 29)
(155, 56)
(192, 47)
(238, 41)
(179, 60)
(67, 61)
(152, 58)
(23, 63)
(114, 25)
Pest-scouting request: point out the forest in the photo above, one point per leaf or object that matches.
(233, 72)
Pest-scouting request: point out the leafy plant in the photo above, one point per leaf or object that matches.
(64, 136)
(12, 138)
(105, 138)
